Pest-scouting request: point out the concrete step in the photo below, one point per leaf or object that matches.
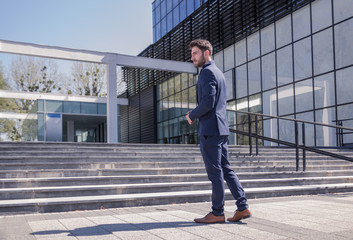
(112, 189)
(128, 200)
(163, 178)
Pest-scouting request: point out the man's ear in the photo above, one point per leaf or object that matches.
(206, 53)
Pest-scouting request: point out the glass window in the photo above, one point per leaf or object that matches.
(345, 112)
(304, 96)
(164, 109)
(159, 92)
(154, 17)
(160, 131)
(158, 13)
(229, 83)
(284, 65)
(171, 104)
(324, 89)
(323, 51)
(286, 130)
(163, 9)
(190, 7)
(177, 83)
(253, 46)
(192, 79)
(53, 106)
(302, 59)
(192, 98)
(343, 43)
(164, 26)
(184, 80)
(342, 9)
(218, 58)
(269, 107)
(178, 104)
(171, 87)
(72, 107)
(254, 76)
(175, 3)
(321, 14)
(268, 39)
(169, 6)
(176, 16)
(185, 101)
(344, 80)
(241, 85)
(169, 21)
(89, 108)
(102, 109)
(240, 52)
(165, 89)
(285, 100)
(325, 136)
(229, 58)
(301, 23)
(197, 4)
(268, 71)
(182, 10)
(283, 31)
(158, 31)
(40, 103)
(309, 128)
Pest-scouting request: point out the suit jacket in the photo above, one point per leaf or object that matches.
(212, 102)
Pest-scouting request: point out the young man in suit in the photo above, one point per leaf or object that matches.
(213, 131)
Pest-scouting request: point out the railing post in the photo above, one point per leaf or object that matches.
(250, 140)
(296, 146)
(304, 157)
(257, 136)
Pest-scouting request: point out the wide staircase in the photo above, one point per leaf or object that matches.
(55, 177)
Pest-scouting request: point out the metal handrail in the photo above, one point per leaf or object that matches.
(295, 145)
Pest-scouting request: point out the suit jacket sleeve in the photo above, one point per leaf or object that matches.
(208, 87)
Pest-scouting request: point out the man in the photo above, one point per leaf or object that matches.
(213, 131)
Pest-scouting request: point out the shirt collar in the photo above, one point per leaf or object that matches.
(208, 63)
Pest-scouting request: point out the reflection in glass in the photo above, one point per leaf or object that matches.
(343, 43)
(321, 14)
(229, 84)
(301, 23)
(218, 58)
(344, 85)
(323, 51)
(325, 136)
(302, 59)
(241, 85)
(253, 46)
(309, 129)
(268, 39)
(268, 71)
(324, 89)
(284, 65)
(229, 58)
(304, 96)
(285, 100)
(240, 52)
(283, 32)
(254, 76)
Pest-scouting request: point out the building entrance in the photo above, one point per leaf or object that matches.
(83, 128)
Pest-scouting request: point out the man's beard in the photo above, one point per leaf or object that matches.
(201, 62)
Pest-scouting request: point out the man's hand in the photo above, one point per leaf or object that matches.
(188, 118)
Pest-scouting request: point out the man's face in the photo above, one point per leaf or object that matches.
(198, 57)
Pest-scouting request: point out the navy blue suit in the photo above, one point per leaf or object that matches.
(213, 130)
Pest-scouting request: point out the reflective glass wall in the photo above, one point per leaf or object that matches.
(175, 98)
(167, 14)
(298, 67)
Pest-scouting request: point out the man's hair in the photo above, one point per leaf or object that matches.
(202, 44)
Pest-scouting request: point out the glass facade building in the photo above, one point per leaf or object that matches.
(167, 14)
(296, 63)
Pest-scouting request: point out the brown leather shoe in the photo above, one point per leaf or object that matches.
(210, 218)
(239, 215)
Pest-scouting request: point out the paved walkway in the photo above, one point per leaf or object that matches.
(305, 217)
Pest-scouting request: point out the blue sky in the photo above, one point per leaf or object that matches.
(120, 26)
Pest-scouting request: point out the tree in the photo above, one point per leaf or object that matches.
(7, 126)
(88, 79)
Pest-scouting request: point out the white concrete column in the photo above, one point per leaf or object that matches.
(112, 108)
